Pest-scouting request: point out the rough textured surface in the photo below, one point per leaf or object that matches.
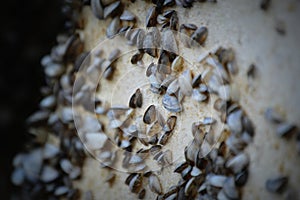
(251, 33)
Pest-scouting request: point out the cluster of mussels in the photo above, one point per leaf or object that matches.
(211, 170)
(55, 155)
(214, 168)
(49, 168)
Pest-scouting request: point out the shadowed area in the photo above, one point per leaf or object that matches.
(28, 32)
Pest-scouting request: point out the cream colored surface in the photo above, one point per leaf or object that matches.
(251, 33)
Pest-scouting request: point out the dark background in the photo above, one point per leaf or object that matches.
(28, 31)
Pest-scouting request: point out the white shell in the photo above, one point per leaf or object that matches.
(169, 42)
(224, 92)
(234, 121)
(54, 70)
(48, 102)
(171, 103)
(90, 124)
(238, 163)
(216, 180)
(48, 174)
(177, 64)
(154, 184)
(173, 87)
(95, 140)
(185, 83)
(66, 114)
